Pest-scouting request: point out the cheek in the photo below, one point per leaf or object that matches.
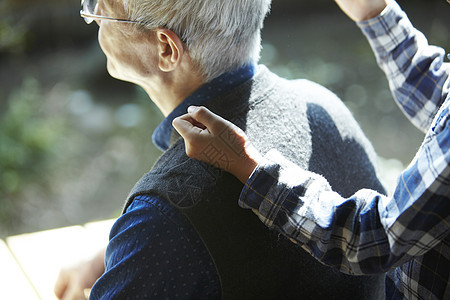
(110, 50)
(102, 41)
(127, 53)
(111, 42)
(106, 41)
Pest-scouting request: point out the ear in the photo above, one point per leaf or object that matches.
(170, 49)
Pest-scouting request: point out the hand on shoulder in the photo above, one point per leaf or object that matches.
(214, 140)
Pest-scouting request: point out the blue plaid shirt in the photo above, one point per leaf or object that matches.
(406, 235)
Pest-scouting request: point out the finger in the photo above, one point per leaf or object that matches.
(195, 123)
(186, 127)
(195, 138)
(61, 284)
(216, 126)
(213, 122)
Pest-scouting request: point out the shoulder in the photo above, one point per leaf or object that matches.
(302, 91)
(177, 179)
(321, 106)
(269, 79)
(313, 92)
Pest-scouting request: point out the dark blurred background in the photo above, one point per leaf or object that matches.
(73, 141)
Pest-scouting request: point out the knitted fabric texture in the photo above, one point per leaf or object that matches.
(310, 126)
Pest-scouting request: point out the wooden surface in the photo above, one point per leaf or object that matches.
(30, 263)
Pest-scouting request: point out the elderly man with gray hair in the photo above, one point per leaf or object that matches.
(181, 234)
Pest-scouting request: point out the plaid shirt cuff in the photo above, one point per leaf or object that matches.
(388, 30)
(275, 185)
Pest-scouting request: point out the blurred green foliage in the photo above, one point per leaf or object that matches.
(35, 25)
(29, 135)
(12, 37)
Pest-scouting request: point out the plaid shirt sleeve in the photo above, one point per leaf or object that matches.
(368, 232)
(417, 76)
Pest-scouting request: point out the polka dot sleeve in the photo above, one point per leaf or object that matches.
(155, 253)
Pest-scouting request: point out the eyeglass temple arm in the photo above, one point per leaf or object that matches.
(88, 15)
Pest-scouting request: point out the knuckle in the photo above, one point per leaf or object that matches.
(202, 111)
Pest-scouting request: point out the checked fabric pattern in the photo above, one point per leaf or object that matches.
(406, 235)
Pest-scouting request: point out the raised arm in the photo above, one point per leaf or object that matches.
(417, 74)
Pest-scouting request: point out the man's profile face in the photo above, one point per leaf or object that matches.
(129, 50)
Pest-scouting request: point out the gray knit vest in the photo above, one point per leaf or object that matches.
(311, 127)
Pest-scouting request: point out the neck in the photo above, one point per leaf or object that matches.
(170, 89)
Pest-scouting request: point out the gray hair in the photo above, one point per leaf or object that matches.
(220, 35)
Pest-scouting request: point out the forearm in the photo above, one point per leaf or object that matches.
(415, 70)
(355, 235)
(302, 206)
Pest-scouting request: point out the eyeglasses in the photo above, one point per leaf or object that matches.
(87, 11)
